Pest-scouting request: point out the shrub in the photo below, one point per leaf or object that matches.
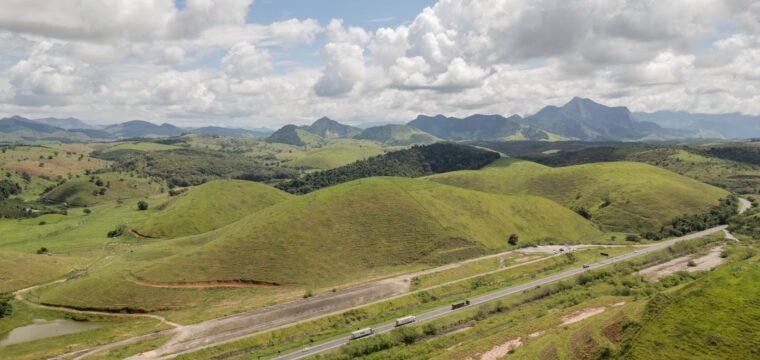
(513, 239)
(142, 205)
(42, 250)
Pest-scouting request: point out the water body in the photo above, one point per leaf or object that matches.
(43, 329)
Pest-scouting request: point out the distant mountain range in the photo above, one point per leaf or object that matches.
(17, 128)
(579, 119)
(734, 126)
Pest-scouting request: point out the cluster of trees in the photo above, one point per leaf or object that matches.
(6, 309)
(413, 162)
(747, 154)
(187, 167)
(685, 224)
(8, 188)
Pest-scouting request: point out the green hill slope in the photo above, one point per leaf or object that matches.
(362, 228)
(620, 196)
(112, 186)
(293, 135)
(713, 318)
(396, 135)
(210, 206)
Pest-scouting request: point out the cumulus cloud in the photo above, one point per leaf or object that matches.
(246, 61)
(151, 59)
(119, 19)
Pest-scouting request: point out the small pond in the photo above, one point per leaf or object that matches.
(43, 329)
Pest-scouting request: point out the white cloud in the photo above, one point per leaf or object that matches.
(246, 61)
(295, 31)
(137, 20)
(118, 59)
(173, 55)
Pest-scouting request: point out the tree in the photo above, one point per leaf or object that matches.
(5, 307)
(87, 211)
(513, 239)
(142, 205)
(43, 250)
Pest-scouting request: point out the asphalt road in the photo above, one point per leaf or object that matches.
(336, 343)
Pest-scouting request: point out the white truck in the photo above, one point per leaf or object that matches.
(405, 320)
(362, 333)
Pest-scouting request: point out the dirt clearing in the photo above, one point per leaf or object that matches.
(705, 262)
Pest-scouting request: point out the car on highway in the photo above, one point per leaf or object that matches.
(362, 333)
(306, 349)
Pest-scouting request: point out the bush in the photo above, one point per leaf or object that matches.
(87, 211)
(631, 238)
(116, 232)
(42, 250)
(6, 309)
(142, 205)
(309, 293)
(513, 239)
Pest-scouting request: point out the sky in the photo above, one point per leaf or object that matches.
(266, 63)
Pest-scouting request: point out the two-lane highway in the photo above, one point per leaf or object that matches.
(336, 343)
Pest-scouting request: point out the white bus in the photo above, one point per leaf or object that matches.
(405, 320)
(362, 333)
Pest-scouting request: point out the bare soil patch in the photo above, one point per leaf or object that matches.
(706, 262)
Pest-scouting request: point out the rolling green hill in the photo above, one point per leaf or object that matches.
(396, 135)
(293, 135)
(620, 196)
(114, 186)
(210, 206)
(713, 318)
(370, 226)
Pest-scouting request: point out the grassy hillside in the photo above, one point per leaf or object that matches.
(620, 196)
(713, 318)
(364, 227)
(396, 135)
(210, 206)
(21, 270)
(87, 190)
(337, 153)
(293, 135)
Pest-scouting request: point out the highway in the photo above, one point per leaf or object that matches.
(336, 343)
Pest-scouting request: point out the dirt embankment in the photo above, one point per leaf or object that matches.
(202, 284)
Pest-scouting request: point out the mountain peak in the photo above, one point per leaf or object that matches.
(329, 128)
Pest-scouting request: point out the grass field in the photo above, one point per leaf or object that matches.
(210, 206)
(109, 329)
(336, 153)
(620, 196)
(118, 186)
(333, 235)
(21, 270)
(715, 317)
(139, 146)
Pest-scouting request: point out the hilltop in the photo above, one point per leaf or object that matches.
(294, 135)
(474, 127)
(374, 225)
(620, 196)
(396, 135)
(416, 161)
(210, 206)
(328, 128)
(585, 119)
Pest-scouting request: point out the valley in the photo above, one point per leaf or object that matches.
(198, 246)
